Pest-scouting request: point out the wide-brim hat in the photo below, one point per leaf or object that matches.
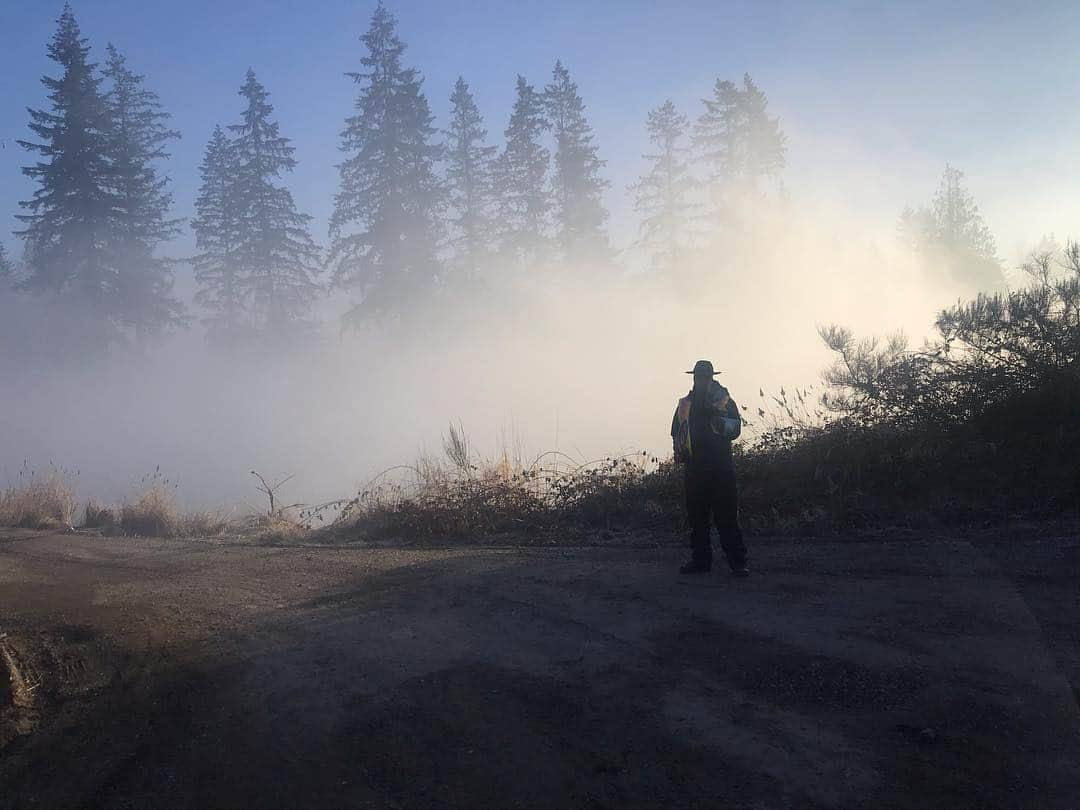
(703, 367)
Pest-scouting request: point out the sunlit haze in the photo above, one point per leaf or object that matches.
(874, 99)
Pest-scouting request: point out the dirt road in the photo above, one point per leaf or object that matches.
(206, 674)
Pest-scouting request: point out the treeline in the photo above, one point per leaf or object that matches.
(419, 211)
(101, 207)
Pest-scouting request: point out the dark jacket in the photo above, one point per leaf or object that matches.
(704, 426)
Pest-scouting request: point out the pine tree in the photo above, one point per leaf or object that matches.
(579, 209)
(469, 177)
(662, 194)
(137, 135)
(220, 288)
(384, 228)
(916, 228)
(274, 253)
(716, 134)
(71, 213)
(737, 141)
(951, 233)
(521, 171)
(960, 226)
(764, 145)
(7, 268)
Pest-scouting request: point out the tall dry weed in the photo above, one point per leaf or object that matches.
(39, 500)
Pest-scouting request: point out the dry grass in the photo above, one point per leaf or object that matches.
(799, 471)
(47, 501)
(280, 527)
(153, 513)
(39, 501)
(97, 515)
(462, 495)
(207, 524)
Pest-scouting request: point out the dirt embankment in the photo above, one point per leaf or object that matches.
(193, 674)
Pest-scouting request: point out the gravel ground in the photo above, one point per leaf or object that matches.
(144, 672)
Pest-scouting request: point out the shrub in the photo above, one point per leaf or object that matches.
(279, 527)
(979, 424)
(991, 353)
(153, 514)
(207, 524)
(98, 516)
(467, 496)
(40, 501)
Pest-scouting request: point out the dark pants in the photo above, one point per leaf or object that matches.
(712, 491)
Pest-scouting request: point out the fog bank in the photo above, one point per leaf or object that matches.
(575, 359)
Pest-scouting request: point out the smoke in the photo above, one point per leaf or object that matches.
(576, 359)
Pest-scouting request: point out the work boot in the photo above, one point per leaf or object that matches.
(695, 567)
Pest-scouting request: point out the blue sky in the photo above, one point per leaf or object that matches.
(875, 97)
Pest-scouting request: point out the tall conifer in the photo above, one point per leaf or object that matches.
(662, 195)
(220, 291)
(469, 180)
(579, 208)
(384, 231)
(765, 144)
(738, 143)
(136, 137)
(952, 236)
(70, 215)
(7, 268)
(274, 253)
(521, 174)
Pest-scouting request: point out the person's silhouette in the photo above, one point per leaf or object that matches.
(705, 422)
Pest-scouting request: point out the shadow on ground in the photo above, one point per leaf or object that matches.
(188, 674)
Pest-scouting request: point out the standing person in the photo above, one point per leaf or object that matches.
(705, 422)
